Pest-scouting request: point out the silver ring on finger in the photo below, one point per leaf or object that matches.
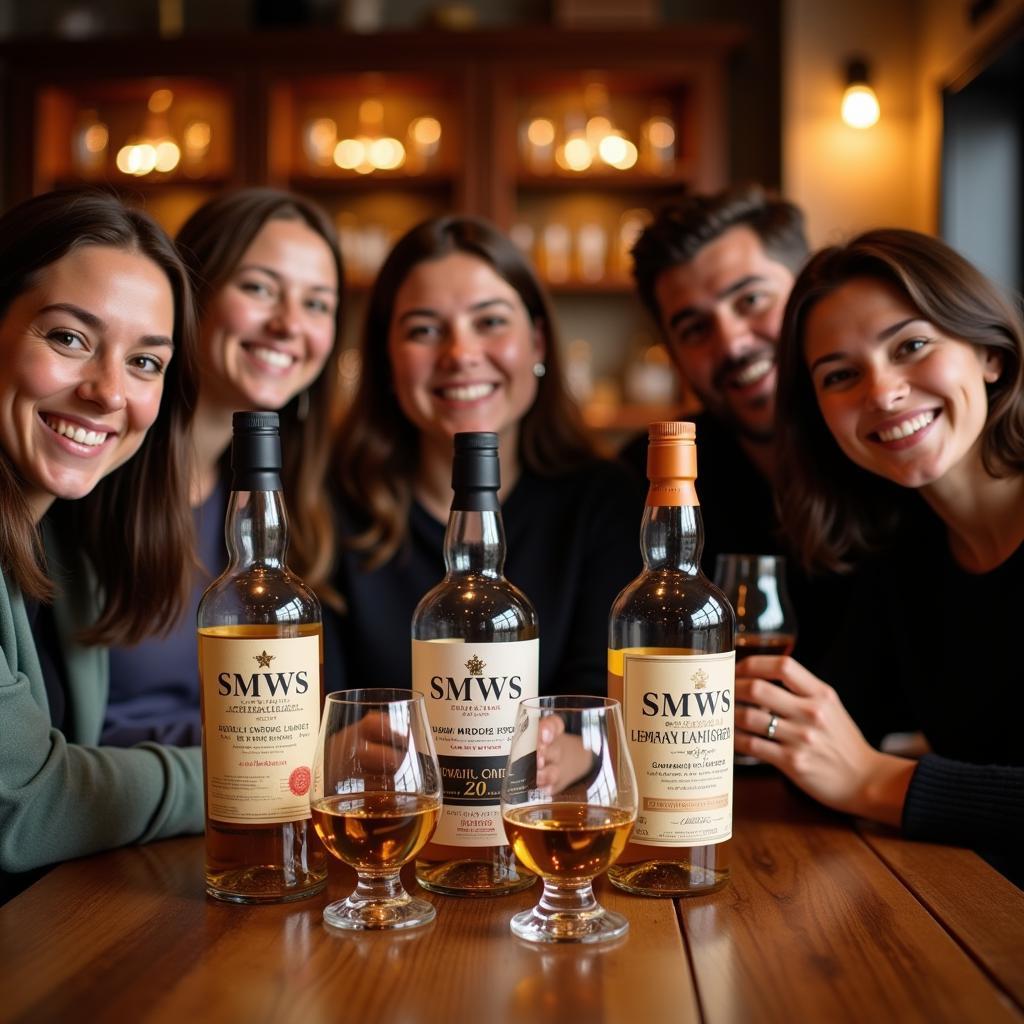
(773, 725)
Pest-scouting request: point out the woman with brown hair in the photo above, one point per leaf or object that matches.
(97, 387)
(267, 274)
(460, 336)
(901, 434)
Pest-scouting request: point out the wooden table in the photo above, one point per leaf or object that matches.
(823, 921)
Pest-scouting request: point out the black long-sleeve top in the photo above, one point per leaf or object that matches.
(573, 544)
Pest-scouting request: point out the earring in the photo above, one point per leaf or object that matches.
(302, 410)
(539, 369)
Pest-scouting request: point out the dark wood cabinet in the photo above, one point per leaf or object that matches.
(385, 130)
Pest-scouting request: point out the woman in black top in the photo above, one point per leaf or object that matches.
(901, 426)
(460, 336)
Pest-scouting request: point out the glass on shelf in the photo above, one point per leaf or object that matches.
(555, 246)
(591, 252)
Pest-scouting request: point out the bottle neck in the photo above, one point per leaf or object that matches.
(474, 542)
(256, 529)
(672, 537)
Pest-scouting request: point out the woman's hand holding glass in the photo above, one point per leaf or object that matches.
(375, 799)
(569, 803)
(765, 620)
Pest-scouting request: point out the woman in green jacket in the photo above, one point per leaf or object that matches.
(97, 385)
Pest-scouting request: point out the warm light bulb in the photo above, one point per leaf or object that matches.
(541, 132)
(622, 153)
(160, 101)
(577, 152)
(426, 131)
(386, 153)
(167, 156)
(349, 154)
(660, 132)
(860, 106)
(598, 128)
(96, 137)
(197, 138)
(143, 159)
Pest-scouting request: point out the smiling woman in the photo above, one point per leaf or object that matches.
(901, 431)
(267, 274)
(459, 336)
(97, 384)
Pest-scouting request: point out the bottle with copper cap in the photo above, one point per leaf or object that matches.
(671, 662)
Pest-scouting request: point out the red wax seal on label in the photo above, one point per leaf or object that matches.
(298, 781)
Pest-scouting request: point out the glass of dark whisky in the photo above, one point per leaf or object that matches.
(375, 801)
(569, 803)
(765, 621)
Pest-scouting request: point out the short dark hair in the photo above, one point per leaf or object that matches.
(134, 528)
(831, 508)
(680, 230)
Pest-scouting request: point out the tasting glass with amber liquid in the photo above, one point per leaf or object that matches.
(765, 620)
(569, 802)
(375, 799)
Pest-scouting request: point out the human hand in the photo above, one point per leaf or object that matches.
(802, 728)
(561, 756)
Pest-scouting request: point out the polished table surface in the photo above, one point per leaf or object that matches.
(824, 920)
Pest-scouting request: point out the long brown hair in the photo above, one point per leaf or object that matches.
(134, 528)
(832, 508)
(212, 242)
(377, 448)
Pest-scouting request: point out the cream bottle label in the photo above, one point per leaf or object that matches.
(261, 715)
(472, 691)
(678, 714)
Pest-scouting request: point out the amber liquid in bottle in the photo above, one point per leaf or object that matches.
(261, 667)
(672, 665)
(474, 657)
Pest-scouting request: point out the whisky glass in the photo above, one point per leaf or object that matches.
(569, 803)
(375, 800)
(765, 621)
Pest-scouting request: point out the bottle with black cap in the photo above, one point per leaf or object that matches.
(260, 667)
(474, 657)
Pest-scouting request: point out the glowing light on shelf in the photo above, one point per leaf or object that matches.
(598, 128)
(619, 152)
(540, 132)
(386, 153)
(426, 131)
(160, 101)
(320, 138)
(349, 154)
(167, 155)
(96, 138)
(575, 154)
(198, 136)
(660, 132)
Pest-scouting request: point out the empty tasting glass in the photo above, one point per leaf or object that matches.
(569, 803)
(375, 799)
(765, 621)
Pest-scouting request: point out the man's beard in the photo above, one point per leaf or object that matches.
(719, 405)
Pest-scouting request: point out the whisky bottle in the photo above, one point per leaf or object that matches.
(261, 690)
(474, 657)
(671, 663)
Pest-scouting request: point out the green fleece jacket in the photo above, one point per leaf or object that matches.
(61, 795)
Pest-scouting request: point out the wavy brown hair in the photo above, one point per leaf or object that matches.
(134, 528)
(832, 509)
(377, 447)
(212, 242)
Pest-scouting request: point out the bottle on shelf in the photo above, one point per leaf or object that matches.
(261, 690)
(671, 662)
(474, 657)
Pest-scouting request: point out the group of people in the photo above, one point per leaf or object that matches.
(864, 414)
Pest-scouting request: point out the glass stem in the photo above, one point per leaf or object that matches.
(561, 899)
(379, 889)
